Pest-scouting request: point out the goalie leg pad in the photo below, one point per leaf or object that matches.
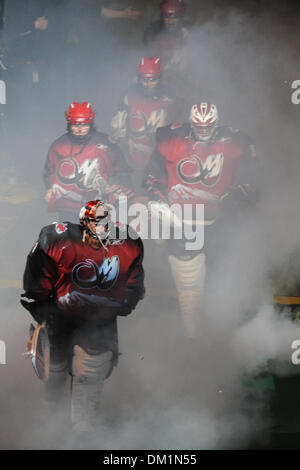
(189, 278)
(88, 375)
(57, 382)
(56, 385)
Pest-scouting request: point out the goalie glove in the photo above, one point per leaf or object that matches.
(38, 310)
(132, 297)
(75, 299)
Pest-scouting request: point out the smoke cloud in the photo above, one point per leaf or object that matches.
(167, 392)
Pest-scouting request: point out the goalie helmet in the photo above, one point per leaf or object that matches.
(94, 219)
(204, 120)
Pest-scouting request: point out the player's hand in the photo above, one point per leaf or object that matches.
(76, 299)
(124, 311)
(48, 195)
(41, 23)
(29, 345)
(238, 197)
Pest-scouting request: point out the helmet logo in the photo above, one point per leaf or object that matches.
(88, 275)
(191, 170)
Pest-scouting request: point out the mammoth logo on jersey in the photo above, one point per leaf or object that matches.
(88, 275)
(140, 125)
(191, 170)
(69, 172)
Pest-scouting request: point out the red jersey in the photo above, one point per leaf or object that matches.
(185, 170)
(138, 119)
(82, 280)
(167, 45)
(71, 167)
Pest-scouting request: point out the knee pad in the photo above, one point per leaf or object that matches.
(90, 367)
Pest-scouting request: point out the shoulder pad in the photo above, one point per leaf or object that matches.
(103, 141)
(100, 136)
(166, 95)
(229, 134)
(224, 133)
(172, 131)
(59, 140)
(167, 99)
(58, 231)
(175, 126)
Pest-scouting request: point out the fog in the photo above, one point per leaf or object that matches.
(167, 392)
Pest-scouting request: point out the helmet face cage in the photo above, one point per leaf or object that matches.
(93, 215)
(204, 120)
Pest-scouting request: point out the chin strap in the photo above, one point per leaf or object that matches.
(104, 245)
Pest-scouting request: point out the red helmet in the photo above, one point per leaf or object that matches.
(172, 7)
(150, 67)
(79, 113)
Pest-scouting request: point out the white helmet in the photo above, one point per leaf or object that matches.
(204, 119)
